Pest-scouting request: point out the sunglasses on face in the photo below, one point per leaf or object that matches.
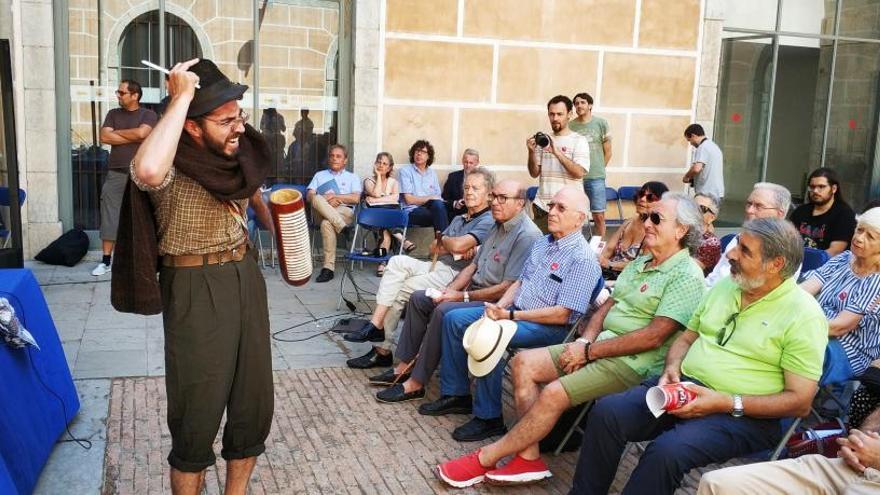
(705, 209)
(655, 217)
(648, 195)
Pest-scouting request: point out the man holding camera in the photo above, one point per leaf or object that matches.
(560, 160)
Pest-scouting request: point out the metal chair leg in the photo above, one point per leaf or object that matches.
(575, 426)
(788, 433)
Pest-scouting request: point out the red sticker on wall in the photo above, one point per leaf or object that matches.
(736, 117)
(852, 123)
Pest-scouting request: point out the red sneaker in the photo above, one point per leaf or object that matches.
(519, 471)
(464, 471)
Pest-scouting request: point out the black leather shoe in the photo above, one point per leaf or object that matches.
(367, 334)
(395, 393)
(371, 359)
(387, 378)
(325, 276)
(447, 404)
(479, 429)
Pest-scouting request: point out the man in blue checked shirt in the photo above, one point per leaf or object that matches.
(551, 294)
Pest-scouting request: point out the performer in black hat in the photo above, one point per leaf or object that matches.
(193, 177)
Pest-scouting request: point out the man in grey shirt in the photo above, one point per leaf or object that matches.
(405, 275)
(497, 265)
(707, 167)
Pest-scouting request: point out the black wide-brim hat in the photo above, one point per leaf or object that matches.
(215, 89)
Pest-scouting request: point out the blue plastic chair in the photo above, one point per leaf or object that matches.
(368, 220)
(725, 241)
(611, 194)
(813, 258)
(628, 193)
(531, 193)
(6, 201)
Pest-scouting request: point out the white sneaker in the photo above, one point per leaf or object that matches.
(101, 269)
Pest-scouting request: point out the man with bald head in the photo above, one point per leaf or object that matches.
(624, 341)
(551, 293)
(497, 265)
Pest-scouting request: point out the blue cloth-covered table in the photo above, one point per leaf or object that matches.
(37, 395)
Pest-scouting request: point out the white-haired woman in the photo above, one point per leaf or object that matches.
(848, 288)
(709, 253)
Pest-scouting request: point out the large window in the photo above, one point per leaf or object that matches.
(798, 90)
(286, 51)
(140, 41)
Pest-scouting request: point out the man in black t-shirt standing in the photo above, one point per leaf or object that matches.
(123, 129)
(825, 222)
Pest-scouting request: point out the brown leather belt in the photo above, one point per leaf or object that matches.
(190, 260)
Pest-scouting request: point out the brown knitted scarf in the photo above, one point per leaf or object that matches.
(134, 287)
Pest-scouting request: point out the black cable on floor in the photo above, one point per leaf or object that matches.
(82, 442)
(309, 322)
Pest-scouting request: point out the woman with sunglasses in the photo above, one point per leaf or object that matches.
(710, 246)
(626, 242)
(848, 290)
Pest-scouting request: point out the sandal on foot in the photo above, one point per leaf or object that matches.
(380, 270)
(409, 247)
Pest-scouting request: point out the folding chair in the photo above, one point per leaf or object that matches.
(628, 193)
(611, 194)
(725, 241)
(813, 258)
(370, 219)
(531, 193)
(5, 201)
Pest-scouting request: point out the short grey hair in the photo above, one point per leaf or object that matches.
(781, 195)
(714, 202)
(778, 238)
(487, 174)
(472, 152)
(687, 214)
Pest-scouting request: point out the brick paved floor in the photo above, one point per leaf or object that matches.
(329, 436)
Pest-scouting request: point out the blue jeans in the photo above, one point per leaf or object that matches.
(432, 213)
(454, 379)
(836, 368)
(678, 446)
(595, 189)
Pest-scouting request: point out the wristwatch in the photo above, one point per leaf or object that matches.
(737, 406)
(467, 297)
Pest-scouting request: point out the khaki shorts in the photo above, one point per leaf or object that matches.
(597, 379)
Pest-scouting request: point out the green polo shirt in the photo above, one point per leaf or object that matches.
(783, 331)
(673, 289)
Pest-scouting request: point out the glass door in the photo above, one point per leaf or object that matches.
(10, 204)
(741, 117)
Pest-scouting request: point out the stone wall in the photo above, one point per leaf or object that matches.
(478, 73)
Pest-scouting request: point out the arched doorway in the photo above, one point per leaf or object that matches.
(140, 41)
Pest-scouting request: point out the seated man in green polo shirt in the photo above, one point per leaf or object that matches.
(624, 341)
(753, 351)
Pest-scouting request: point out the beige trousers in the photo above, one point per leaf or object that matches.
(809, 474)
(333, 220)
(403, 276)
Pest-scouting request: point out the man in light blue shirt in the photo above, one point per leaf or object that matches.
(333, 193)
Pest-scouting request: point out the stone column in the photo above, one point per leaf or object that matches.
(710, 60)
(34, 94)
(365, 87)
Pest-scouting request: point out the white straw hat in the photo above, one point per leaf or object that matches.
(485, 341)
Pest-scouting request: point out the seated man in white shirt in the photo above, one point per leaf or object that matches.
(767, 200)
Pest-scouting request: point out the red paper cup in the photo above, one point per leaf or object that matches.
(668, 397)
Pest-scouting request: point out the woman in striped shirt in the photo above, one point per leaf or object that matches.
(848, 288)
